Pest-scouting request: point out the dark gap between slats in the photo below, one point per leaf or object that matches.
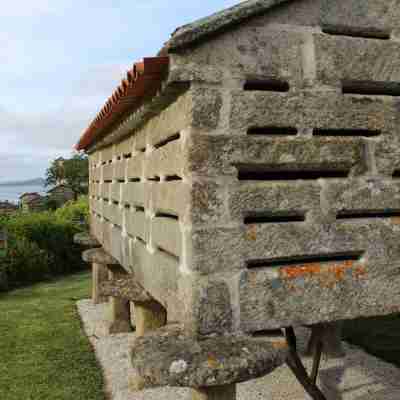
(269, 85)
(139, 209)
(357, 32)
(371, 88)
(396, 174)
(172, 178)
(268, 218)
(168, 253)
(141, 240)
(129, 155)
(300, 260)
(168, 216)
(155, 179)
(267, 333)
(368, 214)
(168, 140)
(134, 180)
(248, 172)
(346, 132)
(272, 131)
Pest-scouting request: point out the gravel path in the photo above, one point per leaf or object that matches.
(358, 376)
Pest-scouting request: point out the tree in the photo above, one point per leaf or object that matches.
(73, 173)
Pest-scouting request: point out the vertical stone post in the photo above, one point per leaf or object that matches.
(120, 310)
(149, 316)
(99, 275)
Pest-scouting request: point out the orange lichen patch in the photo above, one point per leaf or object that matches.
(212, 361)
(360, 271)
(395, 220)
(279, 344)
(337, 270)
(252, 232)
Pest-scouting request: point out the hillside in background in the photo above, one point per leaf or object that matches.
(29, 182)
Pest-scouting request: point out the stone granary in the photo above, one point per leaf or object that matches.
(247, 178)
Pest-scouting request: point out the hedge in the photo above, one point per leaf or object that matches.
(40, 245)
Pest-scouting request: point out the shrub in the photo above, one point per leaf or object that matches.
(40, 245)
(74, 211)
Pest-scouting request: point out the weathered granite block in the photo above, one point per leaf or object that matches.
(355, 59)
(254, 183)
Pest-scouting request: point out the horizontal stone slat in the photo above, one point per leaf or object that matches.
(136, 224)
(313, 293)
(120, 169)
(158, 273)
(135, 194)
(282, 197)
(165, 161)
(215, 155)
(166, 233)
(347, 58)
(135, 166)
(108, 172)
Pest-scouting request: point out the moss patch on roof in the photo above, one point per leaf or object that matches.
(219, 21)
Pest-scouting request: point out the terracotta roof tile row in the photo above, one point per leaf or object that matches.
(143, 81)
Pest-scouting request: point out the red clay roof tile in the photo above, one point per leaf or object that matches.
(142, 81)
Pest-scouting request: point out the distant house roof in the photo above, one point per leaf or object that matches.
(29, 194)
(7, 205)
(61, 186)
(144, 80)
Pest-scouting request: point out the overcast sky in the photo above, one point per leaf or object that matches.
(61, 59)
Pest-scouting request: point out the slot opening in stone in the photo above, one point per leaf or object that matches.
(356, 32)
(306, 260)
(272, 131)
(346, 132)
(270, 85)
(257, 172)
(371, 88)
(273, 218)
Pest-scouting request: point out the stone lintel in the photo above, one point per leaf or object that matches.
(98, 256)
(167, 357)
(126, 288)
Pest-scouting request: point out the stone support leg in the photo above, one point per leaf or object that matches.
(215, 393)
(120, 319)
(149, 316)
(99, 275)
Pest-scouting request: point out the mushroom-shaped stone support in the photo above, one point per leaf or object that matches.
(210, 365)
(99, 260)
(84, 239)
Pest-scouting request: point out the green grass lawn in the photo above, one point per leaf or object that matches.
(44, 353)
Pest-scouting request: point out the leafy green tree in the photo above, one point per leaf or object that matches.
(73, 172)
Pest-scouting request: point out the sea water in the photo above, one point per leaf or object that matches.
(12, 193)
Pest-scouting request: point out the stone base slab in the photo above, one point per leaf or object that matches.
(359, 376)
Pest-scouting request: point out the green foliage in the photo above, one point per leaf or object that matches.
(73, 172)
(41, 244)
(74, 211)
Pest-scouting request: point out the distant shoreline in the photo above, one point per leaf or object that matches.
(30, 182)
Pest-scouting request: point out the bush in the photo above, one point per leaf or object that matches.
(40, 245)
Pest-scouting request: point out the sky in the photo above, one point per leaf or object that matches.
(61, 59)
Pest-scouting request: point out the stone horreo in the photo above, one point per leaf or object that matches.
(247, 179)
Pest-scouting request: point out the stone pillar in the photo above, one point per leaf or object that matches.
(120, 308)
(99, 275)
(149, 316)
(227, 392)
